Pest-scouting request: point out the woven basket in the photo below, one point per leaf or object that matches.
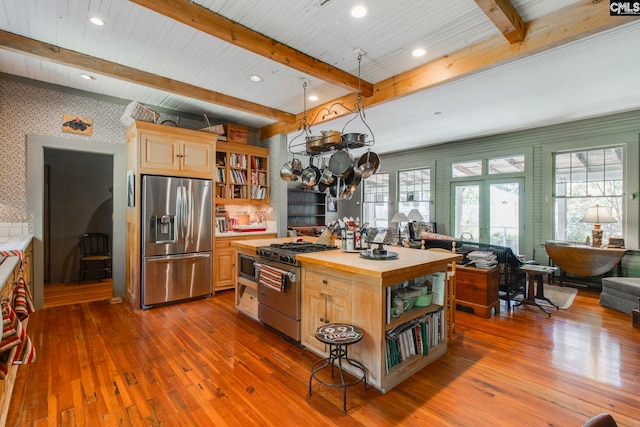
(136, 111)
(217, 129)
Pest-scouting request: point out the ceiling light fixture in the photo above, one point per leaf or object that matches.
(359, 10)
(255, 78)
(418, 52)
(313, 97)
(96, 21)
(87, 77)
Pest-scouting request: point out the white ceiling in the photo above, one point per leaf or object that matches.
(589, 77)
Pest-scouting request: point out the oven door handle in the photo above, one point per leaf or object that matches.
(293, 277)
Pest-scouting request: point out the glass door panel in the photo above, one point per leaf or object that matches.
(466, 211)
(505, 214)
(489, 211)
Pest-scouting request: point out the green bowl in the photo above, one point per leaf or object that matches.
(424, 300)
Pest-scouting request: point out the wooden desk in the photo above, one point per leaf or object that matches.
(585, 261)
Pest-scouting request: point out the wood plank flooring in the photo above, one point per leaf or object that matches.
(57, 294)
(202, 364)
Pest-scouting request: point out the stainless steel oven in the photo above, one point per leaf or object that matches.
(279, 291)
(280, 309)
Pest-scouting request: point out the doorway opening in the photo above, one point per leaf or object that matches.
(36, 145)
(78, 199)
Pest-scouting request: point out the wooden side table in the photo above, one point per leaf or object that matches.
(535, 286)
(477, 288)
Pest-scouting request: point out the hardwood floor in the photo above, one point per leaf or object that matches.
(201, 363)
(57, 294)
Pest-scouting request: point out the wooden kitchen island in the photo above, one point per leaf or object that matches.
(346, 288)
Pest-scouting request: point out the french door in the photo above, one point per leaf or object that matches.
(489, 211)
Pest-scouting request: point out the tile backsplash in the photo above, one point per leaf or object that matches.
(14, 229)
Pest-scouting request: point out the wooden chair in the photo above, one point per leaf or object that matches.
(95, 255)
(451, 287)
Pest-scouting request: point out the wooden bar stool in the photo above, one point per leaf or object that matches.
(339, 337)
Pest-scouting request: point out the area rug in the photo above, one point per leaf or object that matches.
(562, 296)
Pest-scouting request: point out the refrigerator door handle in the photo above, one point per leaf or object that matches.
(186, 213)
(186, 256)
(179, 213)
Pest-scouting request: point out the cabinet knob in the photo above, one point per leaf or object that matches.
(324, 281)
(322, 319)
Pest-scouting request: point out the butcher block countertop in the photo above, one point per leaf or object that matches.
(410, 262)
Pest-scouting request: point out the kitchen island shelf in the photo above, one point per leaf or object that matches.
(412, 314)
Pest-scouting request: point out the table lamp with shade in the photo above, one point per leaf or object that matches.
(413, 216)
(399, 218)
(597, 215)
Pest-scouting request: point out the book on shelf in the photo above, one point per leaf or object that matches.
(415, 337)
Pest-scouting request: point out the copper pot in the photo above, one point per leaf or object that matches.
(314, 143)
(331, 138)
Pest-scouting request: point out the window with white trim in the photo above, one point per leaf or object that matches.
(414, 191)
(375, 200)
(582, 179)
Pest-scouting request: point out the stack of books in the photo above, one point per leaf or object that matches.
(482, 259)
(616, 242)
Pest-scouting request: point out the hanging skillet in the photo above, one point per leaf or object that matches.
(341, 163)
(311, 175)
(368, 164)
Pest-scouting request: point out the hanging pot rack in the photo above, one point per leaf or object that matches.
(302, 144)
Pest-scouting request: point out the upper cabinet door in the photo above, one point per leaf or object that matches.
(159, 153)
(197, 157)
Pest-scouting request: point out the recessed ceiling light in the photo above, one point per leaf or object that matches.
(87, 77)
(359, 10)
(255, 78)
(313, 97)
(418, 52)
(97, 21)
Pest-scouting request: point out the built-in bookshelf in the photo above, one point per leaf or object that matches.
(242, 174)
(415, 338)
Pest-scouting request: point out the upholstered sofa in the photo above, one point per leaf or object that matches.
(512, 280)
(620, 293)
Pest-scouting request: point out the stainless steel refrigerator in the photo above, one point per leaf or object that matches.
(177, 236)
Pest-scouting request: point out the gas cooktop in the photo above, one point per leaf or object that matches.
(286, 252)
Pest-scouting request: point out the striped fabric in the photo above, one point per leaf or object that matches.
(272, 278)
(22, 300)
(25, 353)
(13, 252)
(11, 328)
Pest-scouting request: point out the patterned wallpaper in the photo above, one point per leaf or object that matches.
(27, 109)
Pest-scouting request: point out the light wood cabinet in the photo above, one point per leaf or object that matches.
(357, 291)
(326, 299)
(242, 174)
(224, 261)
(172, 151)
(159, 150)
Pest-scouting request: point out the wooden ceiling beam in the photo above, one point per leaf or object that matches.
(231, 32)
(71, 58)
(505, 17)
(568, 24)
